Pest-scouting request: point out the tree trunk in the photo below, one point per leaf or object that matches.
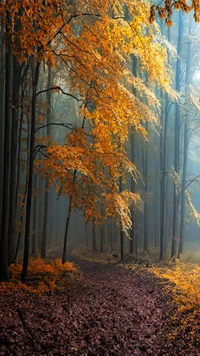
(185, 145)
(6, 165)
(146, 237)
(64, 256)
(30, 180)
(86, 236)
(2, 102)
(13, 162)
(177, 138)
(33, 251)
(94, 240)
(46, 197)
(121, 232)
(102, 238)
(133, 241)
(163, 150)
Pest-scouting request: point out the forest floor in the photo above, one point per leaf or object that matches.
(109, 311)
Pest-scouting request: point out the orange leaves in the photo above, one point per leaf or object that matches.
(29, 39)
(94, 46)
(43, 276)
(178, 5)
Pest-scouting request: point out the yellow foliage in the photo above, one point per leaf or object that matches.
(43, 276)
(186, 283)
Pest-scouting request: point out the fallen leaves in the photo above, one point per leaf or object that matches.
(111, 311)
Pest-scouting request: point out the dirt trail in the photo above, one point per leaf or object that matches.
(111, 311)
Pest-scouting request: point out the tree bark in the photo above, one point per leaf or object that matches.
(177, 138)
(30, 180)
(6, 164)
(46, 197)
(2, 102)
(64, 256)
(121, 232)
(94, 239)
(185, 145)
(146, 233)
(13, 161)
(33, 251)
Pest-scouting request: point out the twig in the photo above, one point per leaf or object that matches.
(26, 325)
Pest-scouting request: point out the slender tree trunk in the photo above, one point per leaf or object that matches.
(94, 239)
(46, 197)
(163, 147)
(2, 102)
(121, 232)
(177, 138)
(146, 232)
(33, 251)
(64, 256)
(185, 159)
(102, 238)
(13, 162)
(111, 236)
(86, 236)
(133, 242)
(30, 181)
(185, 145)
(6, 165)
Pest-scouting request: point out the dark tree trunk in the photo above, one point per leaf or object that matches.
(46, 197)
(146, 232)
(121, 232)
(102, 238)
(2, 102)
(64, 256)
(13, 162)
(94, 239)
(33, 251)
(6, 165)
(133, 241)
(86, 236)
(30, 180)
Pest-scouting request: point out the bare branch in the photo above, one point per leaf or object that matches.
(191, 181)
(67, 126)
(58, 88)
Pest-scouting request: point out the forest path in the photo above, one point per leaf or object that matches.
(118, 312)
(110, 311)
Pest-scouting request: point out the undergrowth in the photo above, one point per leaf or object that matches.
(185, 289)
(43, 276)
(185, 278)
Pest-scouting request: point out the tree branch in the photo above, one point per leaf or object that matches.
(58, 88)
(191, 181)
(67, 126)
